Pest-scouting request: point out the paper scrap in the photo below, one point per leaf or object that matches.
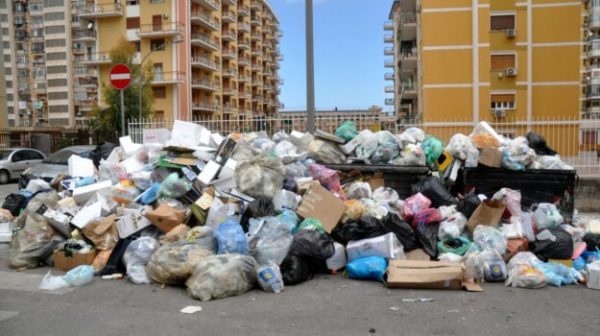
(191, 309)
(418, 300)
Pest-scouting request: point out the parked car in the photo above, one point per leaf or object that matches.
(14, 161)
(55, 164)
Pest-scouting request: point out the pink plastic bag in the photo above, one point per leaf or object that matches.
(427, 216)
(327, 177)
(413, 205)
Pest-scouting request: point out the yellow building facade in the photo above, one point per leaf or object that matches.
(490, 60)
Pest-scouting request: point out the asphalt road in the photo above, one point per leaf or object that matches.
(326, 305)
(7, 189)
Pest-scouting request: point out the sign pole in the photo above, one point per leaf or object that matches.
(122, 114)
(310, 69)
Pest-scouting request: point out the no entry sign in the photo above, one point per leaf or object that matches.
(120, 76)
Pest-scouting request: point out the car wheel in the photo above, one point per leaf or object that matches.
(4, 177)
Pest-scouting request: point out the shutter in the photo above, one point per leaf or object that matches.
(501, 62)
(503, 98)
(502, 22)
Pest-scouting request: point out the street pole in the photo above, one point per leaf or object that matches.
(122, 114)
(310, 69)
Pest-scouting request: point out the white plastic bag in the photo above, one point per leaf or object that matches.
(51, 282)
(547, 216)
(453, 226)
(136, 257)
(385, 246)
(285, 199)
(488, 237)
(358, 190)
(269, 240)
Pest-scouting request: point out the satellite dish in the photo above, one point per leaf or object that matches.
(90, 26)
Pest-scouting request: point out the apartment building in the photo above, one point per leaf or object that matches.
(209, 58)
(486, 60)
(39, 40)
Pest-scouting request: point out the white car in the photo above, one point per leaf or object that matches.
(13, 161)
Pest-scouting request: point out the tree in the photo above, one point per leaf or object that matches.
(106, 120)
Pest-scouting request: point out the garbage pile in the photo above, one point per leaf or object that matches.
(221, 215)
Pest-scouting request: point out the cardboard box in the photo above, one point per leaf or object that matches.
(132, 221)
(83, 194)
(418, 254)
(490, 157)
(59, 221)
(87, 214)
(165, 218)
(386, 246)
(319, 203)
(424, 274)
(209, 172)
(67, 263)
(225, 150)
(156, 135)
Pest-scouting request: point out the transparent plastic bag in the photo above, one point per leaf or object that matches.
(453, 226)
(474, 266)
(124, 193)
(280, 136)
(526, 276)
(221, 276)
(327, 177)
(268, 240)
(142, 179)
(269, 278)
(387, 148)
(263, 144)
(231, 238)
(284, 199)
(51, 282)
(417, 133)
(288, 152)
(413, 205)
(202, 236)
(364, 136)
(494, 266)
(358, 190)
(113, 171)
(387, 196)
(354, 210)
(386, 246)
(174, 187)
(289, 219)
(79, 276)
(173, 263)
(368, 146)
(136, 257)
(325, 152)
(411, 155)
(547, 216)
(512, 200)
(260, 177)
(489, 237)
(552, 162)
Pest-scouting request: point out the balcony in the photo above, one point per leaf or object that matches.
(83, 72)
(205, 84)
(408, 91)
(593, 110)
(388, 38)
(98, 11)
(163, 78)
(390, 76)
(389, 101)
(205, 21)
(388, 63)
(256, 36)
(255, 21)
(389, 89)
(208, 4)
(85, 36)
(408, 59)
(408, 26)
(256, 67)
(388, 26)
(230, 2)
(203, 40)
(77, 51)
(205, 106)
(229, 54)
(257, 98)
(228, 91)
(389, 51)
(165, 29)
(244, 27)
(243, 79)
(230, 73)
(254, 4)
(244, 62)
(244, 11)
(228, 17)
(229, 36)
(244, 44)
(96, 58)
(229, 110)
(205, 63)
(38, 51)
(256, 52)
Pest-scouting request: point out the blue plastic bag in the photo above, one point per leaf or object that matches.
(79, 275)
(150, 195)
(367, 268)
(558, 274)
(289, 219)
(231, 238)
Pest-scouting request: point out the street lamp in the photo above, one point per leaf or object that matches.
(141, 75)
(310, 69)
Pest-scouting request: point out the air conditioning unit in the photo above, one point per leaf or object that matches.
(500, 113)
(510, 33)
(165, 16)
(511, 72)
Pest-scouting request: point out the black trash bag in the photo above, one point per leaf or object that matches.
(403, 231)
(539, 145)
(290, 185)
(468, 204)
(363, 228)
(14, 203)
(428, 237)
(592, 240)
(561, 248)
(294, 270)
(312, 244)
(433, 189)
(260, 207)
(115, 261)
(101, 152)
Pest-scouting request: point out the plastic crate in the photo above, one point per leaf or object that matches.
(399, 178)
(535, 185)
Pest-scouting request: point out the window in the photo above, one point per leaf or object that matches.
(160, 115)
(58, 16)
(56, 56)
(133, 22)
(503, 101)
(57, 95)
(31, 155)
(502, 62)
(502, 22)
(19, 156)
(57, 82)
(156, 1)
(55, 30)
(157, 44)
(157, 71)
(137, 46)
(133, 2)
(56, 43)
(159, 92)
(59, 69)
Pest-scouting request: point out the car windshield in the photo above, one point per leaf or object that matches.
(61, 157)
(4, 154)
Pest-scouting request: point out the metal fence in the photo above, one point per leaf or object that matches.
(46, 140)
(577, 140)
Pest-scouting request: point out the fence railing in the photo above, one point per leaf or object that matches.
(576, 140)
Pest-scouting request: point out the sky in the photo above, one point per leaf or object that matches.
(348, 44)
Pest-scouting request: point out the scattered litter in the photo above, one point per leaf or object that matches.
(191, 309)
(418, 300)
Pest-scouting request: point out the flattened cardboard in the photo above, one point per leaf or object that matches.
(424, 274)
(319, 203)
(490, 157)
(418, 254)
(132, 221)
(65, 264)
